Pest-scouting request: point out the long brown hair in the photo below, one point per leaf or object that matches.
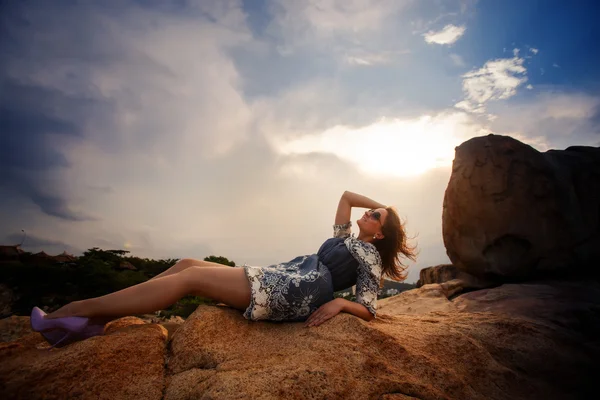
(393, 246)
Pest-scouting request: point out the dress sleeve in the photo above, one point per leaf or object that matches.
(342, 230)
(368, 274)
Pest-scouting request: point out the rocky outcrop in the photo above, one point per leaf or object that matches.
(511, 212)
(437, 274)
(516, 341)
(452, 280)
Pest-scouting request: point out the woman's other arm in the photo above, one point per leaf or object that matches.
(349, 200)
(336, 306)
(356, 309)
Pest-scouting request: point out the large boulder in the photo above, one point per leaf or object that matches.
(488, 344)
(511, 212)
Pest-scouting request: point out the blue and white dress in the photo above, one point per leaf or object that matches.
(293, 290)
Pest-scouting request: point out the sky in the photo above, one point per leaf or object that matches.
(182, 129)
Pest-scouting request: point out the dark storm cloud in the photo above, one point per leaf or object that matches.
(26, 152)
(31, 114)
(24, 123)
(34, 243)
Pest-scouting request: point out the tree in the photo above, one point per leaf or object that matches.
(113, 257)
(220, 260)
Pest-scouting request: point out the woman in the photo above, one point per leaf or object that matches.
(299, 290)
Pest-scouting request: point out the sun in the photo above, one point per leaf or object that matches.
(395, 147)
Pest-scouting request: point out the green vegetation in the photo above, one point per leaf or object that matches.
(220, 260)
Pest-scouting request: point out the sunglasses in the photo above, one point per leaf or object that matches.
(376, 215)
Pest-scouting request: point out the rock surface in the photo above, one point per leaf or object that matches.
(126, 363)
(515, 341)
(14, 327)
(511, 212)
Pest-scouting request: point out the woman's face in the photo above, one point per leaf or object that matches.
(372, 221)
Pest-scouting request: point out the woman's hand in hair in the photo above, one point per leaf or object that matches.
(325, 312)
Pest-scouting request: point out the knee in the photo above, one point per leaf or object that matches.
(189, 270)
(188, 262)
(184, 264)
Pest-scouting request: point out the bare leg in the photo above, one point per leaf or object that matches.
(227, 285)
(177, 267)
(184, 264)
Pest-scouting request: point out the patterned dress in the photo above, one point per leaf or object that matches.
(293, 290)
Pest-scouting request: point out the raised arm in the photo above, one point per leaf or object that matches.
(349, 200)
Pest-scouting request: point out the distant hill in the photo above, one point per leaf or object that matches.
(399, 286)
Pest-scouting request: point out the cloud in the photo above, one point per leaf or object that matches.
(457, 60)
(496, 80)
(119, 94)
(363, 58)
(534, 50)
(117, 105)
(331, 17)
(552, 119)
(35, 244)
(32, 134)
(358, 32)
(470, 107)
(448, 35)
(404, 147)
(369, 60)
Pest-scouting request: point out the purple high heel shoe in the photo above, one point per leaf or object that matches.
(62, 331)
(60, 338)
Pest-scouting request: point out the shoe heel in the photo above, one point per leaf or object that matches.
(53, 336)
(67, 336)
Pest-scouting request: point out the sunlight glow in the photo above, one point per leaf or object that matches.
(393, 146)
